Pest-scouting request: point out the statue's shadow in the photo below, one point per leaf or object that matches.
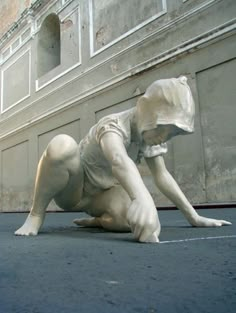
(168, 232)
(79, 232)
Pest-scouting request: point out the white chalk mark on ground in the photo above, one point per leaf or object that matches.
(200, 238)
(112, 282)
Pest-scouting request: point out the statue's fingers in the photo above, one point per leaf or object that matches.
(153, 238)
(146, 234)
(137, 231)
(225, 223)
(132, 218)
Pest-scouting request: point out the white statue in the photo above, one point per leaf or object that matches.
(99, 176)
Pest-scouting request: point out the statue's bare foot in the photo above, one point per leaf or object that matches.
(30, 227)
(88, 222)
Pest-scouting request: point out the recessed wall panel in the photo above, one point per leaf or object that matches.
(16, 82)
(16, 194)
(217, 96)
(71, 129)
(112, 20)
(126, 105)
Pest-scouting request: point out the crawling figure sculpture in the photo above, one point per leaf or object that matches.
(99, 176)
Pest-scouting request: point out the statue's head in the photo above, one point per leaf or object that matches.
(167, 107)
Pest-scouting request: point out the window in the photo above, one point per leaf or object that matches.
(49, 45)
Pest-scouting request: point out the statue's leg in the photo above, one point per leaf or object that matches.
(88, 222)
(58, 175)
(105, 221)
(110, 209)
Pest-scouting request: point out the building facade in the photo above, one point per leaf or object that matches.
(67, 63)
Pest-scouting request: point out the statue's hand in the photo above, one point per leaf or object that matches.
(143, 219)
(200, 221)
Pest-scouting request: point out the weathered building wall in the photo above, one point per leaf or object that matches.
(10, 11)
(101, 57)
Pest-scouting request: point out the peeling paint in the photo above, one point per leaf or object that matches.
(66, 24)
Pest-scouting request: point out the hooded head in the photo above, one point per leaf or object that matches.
(167, 102)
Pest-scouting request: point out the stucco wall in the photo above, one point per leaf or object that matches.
(110, 52)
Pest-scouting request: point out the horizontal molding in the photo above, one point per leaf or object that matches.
(158, 32)
(4, 57)
(39, 87)
(186, 47)
(136, 44)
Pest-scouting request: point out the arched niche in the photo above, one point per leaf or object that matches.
(49, 45)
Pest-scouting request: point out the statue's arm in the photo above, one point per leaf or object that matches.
(142, 214)
(169, 187)
(123, 168)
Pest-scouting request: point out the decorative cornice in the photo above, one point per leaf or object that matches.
(27, 13)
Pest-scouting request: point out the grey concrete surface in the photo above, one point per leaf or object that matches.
(72, 269)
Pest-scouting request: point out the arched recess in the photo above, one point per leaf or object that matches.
(49, 45)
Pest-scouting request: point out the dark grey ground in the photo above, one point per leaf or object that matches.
(71, 269)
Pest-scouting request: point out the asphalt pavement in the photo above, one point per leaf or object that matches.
(73, 269)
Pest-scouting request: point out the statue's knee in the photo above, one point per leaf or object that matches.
(61, 147)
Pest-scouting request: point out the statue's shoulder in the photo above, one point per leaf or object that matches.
(116, 122)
